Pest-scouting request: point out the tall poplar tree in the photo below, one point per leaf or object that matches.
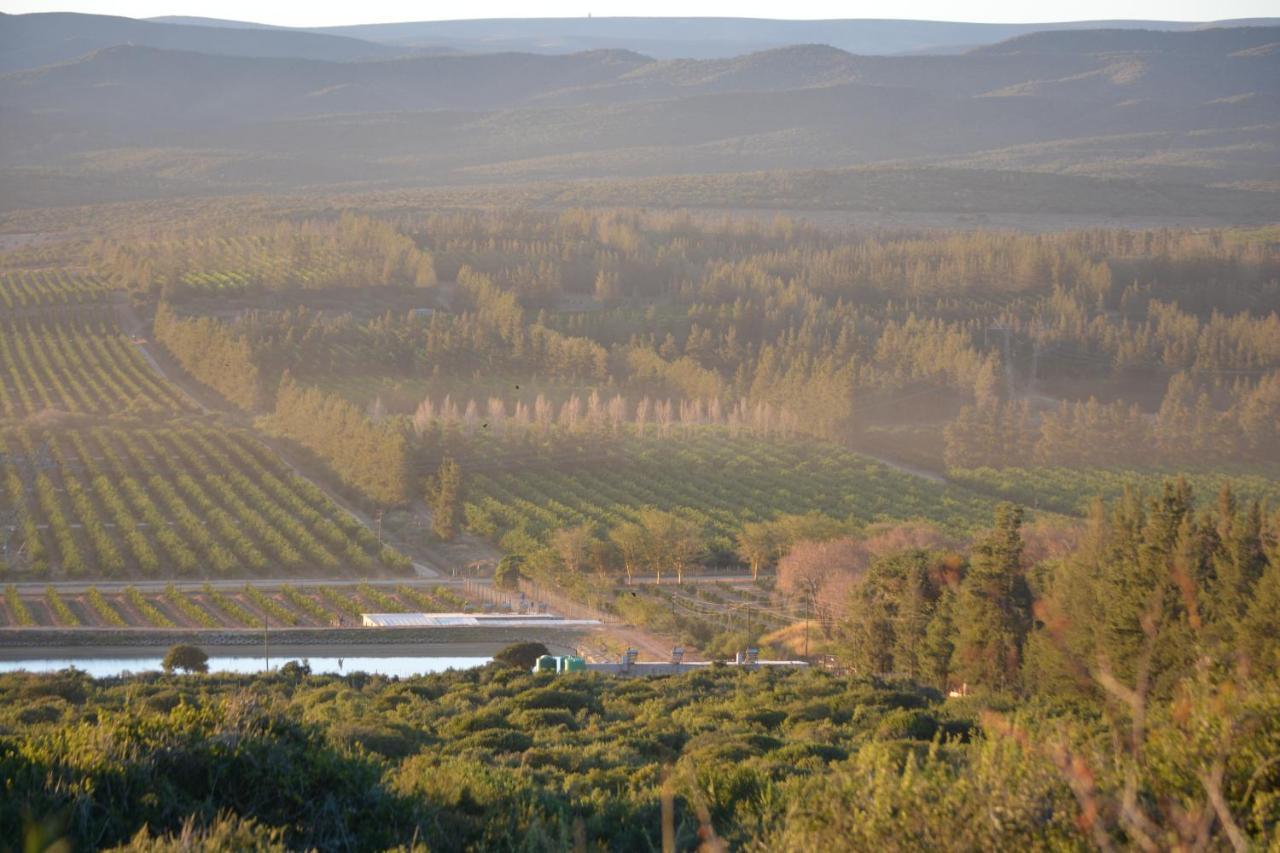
(445, 499)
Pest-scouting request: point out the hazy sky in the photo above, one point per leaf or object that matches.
(299, 13)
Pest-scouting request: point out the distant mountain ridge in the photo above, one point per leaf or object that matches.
(1187, 108)
(1102, 66)
(714, 38)
(34, 40)
(45, 38)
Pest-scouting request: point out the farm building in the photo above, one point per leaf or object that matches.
(471, 620)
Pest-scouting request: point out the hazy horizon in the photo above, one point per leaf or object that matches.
(398, 11)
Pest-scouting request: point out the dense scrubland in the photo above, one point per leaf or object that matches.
(496, 758)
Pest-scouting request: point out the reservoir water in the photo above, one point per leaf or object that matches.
(398, 666)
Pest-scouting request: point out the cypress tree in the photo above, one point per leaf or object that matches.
(993, 608)
(889, 615)
(1151, 585)
(1260, 628)
(913, 609)
(939, 641)
(1239, 561)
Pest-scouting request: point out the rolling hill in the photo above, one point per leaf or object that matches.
(710, 38)
(1193, 107)
(34, 40)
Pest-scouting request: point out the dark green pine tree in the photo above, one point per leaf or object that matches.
(889, 614)
(445, 499)
(870, 633)
(1123, 594)
(1151, 584)
(1239, 561)
(1260, 629)
(1065, 645)
(993, 608)
(939, 641)
(912, 618)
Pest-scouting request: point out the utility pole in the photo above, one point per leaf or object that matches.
(266, 639)
(1034, 332)
(1035, 367)
(811, 601)
(806, 637)
(1007, 353)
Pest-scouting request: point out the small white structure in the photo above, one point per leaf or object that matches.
(472, 620)
(673, 668)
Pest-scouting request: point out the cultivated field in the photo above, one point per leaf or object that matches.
(719, 483)
(219, 607)
(79, 365)
(185, 500)
(108, 471)
(1071, 490)
(50, 287)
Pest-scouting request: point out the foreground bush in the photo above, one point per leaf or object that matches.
(499, 759)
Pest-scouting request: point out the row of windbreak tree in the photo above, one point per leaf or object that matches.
(1189, 429)
(372, 458)
(761, 314)
(653, 253)
(435, 421)
(379, 458)
(774, 324)
(369, 455)
(488, 330)
(656, 254)
(1071, 327)
(347, 251)
(213, 353)
(493, 335)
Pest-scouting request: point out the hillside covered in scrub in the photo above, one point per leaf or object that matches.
(498, 759)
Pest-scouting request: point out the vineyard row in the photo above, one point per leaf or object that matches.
(44, 287)
(209, 607)
(185, 501)
(719, 484)
(76, 365)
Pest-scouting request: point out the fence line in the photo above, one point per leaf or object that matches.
(532, 597)
(563, 605)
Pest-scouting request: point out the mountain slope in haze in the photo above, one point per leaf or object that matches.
(35, 40)
(163, 88)
(1188, 107)
(199, 21)
(711, 38)
(149, 86)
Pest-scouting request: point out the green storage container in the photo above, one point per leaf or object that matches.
(573, 663)
(545, 663)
